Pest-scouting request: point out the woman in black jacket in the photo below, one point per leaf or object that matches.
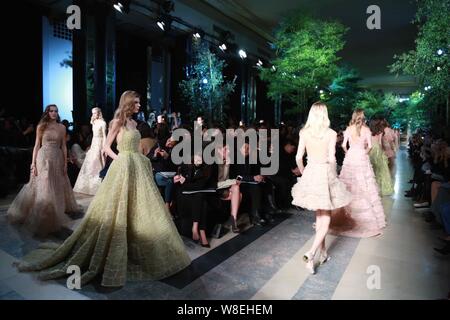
(193, 179)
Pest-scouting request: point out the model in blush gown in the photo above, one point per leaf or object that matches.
(318, 188)
(88, 179)
(364, 216)
(42, 204)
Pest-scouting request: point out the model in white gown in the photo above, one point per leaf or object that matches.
(88, 179)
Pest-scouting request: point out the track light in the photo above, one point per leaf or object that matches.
(122, 6)
(161, 25)
(242, 54)
(440, 52)
(223, 47)
(259, 63)
(274, 69)
(164, 22)
(196, 35)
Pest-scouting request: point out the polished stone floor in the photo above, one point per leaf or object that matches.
(265, 262)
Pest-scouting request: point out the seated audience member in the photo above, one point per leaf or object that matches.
(228, 189)
(191, 201)
(287, 173)
(253, 186)
(162, 165)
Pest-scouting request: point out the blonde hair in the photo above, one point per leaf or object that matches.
(100, 115)
(317, 122)
(358, 120)
(126, 107)
(45, 119)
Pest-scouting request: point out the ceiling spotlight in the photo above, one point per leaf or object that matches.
(242, 54)
(164, 22)
(274, 68)
(439, 68)
(321, 91)
(197, 35)
(122, 6)
(161, 25)
(440, 52)
(205, 81)
(259, 63)
(118, 7)
(223, 47)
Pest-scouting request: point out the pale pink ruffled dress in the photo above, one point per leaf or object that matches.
(364, 216)
(389, 142)
(319, 188)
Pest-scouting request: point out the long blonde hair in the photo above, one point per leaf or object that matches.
(358, 120)
(100, 115)
(318, 122)
(126, 107)
(45, 119)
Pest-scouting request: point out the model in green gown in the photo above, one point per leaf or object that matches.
(127, 232)
(381, 167)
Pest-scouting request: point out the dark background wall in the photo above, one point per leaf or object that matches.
(21, 61)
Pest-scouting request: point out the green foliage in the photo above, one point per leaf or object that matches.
(205, 90)
(412, 113)
(305, 58)
(424, 62)
(371, 102)
(342, 96)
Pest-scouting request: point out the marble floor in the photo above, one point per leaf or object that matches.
(265, 262)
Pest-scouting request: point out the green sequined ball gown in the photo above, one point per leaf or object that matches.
(127, 233)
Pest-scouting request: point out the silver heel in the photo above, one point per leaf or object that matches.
(309, 259)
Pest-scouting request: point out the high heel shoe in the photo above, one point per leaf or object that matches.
(309, 259)
(324, 257)
(205, 245)
(234, 226)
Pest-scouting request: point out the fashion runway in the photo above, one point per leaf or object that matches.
(266, 262)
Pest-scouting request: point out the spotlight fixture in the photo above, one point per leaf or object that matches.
(439, 68)
(259, 63)
(223, 47)
(161, 25)
(321, 91)
(274, 69)
(122, 6)
(440, 52)
(242, 54)
(198, 33)
(205, 81)
(164, 22)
